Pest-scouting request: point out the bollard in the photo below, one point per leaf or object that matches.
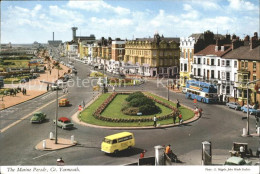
(159, 155)
(258, 131)
(72, 139)
(244, 132)
(51, 136)
(44, 144)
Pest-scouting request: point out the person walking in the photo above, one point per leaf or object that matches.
(174, 118)
(25, 91)
(180, 119)
(154, 121)
(47, 87)
(178, 104)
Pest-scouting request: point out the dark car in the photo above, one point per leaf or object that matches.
(234, 105)
(38, 117)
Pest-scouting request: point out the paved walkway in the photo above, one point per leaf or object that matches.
(50, 144)
(34, 88)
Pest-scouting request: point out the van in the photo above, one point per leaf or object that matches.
(118, 142)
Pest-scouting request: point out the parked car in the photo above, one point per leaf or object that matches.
(55, 87)
(64, 123)
(38, 117)
(237, 161)
(184, 90)
(234, 105)
(251, 110)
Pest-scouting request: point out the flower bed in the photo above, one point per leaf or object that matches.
(97, 113)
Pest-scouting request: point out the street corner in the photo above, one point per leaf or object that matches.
(49, 144)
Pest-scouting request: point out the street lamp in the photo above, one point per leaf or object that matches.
(247, 125)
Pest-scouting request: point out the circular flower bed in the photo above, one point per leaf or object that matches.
(97, 113)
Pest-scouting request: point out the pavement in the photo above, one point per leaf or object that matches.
(34, 88)
(50, 144)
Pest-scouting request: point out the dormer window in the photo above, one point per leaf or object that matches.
(222, 48)
(216, 48)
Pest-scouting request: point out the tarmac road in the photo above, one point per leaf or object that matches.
(219, 125)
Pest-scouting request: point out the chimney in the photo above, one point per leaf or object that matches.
(222, 48)
(253, 43)
(216, 48)
(235, 44)
(246, 41)
(53, 36)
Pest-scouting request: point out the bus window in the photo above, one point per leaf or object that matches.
(114, 142)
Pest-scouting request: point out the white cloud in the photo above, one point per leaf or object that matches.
(241, 5)
(97, 6)
(190, 12)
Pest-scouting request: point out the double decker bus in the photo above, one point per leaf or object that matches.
(202, 91)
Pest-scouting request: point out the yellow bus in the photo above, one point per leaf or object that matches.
(118, 142)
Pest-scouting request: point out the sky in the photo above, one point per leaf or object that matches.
(29, 21)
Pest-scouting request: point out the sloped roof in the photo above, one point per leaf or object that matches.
(210, 50)
(244, 52)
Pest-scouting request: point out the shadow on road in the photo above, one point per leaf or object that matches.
(127, 152)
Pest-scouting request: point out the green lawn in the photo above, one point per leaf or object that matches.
(114, 110)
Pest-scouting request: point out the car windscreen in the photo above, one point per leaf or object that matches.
(107, 141)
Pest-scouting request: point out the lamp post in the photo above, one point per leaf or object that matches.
(56, 115)
(247, 125)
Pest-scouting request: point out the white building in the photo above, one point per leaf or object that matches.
(209, 65)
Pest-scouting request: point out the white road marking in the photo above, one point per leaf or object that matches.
(28, 115)
(44, 155)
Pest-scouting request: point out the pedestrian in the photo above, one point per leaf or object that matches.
(66, 90)
(180, 119)
(142, 154)
(200, 111)
(154, 121)
(113, 88)
(178, 86)
(178, 104)
(48, 87)
(174, 118)
(25, 91)
(168, 149)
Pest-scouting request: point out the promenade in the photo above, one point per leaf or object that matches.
(34, 87)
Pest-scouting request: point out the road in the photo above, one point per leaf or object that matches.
(219, 125)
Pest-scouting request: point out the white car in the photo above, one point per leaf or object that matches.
(184, 90)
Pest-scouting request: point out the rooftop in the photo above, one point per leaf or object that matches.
(244, 52)
(210, 50)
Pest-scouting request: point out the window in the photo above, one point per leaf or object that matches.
(194, 61)
(212, 62)
(160, 70)
(242, 64)
(198, 71)
(194, 71)
(218, 62)
(218, 74)
(114, 141)
(246, 64)
(235, 64)
(186, 53)
(190, 54)
(204, 72)
(207, 61)
(125, 138)
(199, 61)
(161, 62)
(204, 61)
(212, 74)
(227, 63)
(254, 65)
(254, 77)
(165, 70)
(223, 76)
(228, 76)
(223, 62)
(228, 90)
(185, 67)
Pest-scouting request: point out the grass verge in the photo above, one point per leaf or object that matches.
(114, 110)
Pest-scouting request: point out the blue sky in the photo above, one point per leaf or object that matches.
(29, 21)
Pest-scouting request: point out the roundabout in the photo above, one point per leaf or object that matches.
(105, 111)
